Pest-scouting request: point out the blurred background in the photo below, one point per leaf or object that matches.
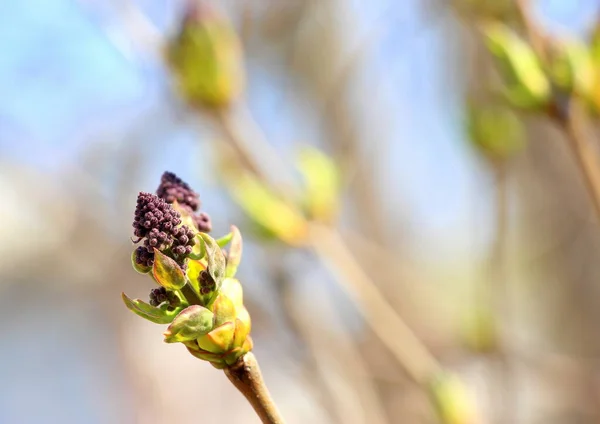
(489, 253)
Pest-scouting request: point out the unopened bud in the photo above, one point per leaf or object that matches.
(206, 58)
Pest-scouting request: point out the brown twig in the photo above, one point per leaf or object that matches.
(583, 152)
(572, 121)
(393, 332)
(247, 378)
(498, 298)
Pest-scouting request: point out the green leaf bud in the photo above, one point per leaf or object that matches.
(526, 85)
(452, 402)
(224, 310)
(322, 182)
(233, 290)
(206, 59)
(191, 323)
(495, 130)
(219, 340)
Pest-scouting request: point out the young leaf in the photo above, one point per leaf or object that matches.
(526, 84)
(235, 252)
(215, 259)
(322, 182)
(167, 272)
(191, 323)
(219, 340)
(198, 251)
(224, 310)
(193, 270)
(268, 210)
(224, 241)
(233, 290)
(142, 269)
(149, 312)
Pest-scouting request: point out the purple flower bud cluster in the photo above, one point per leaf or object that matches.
(172, 188)
(183, 242)
(202, 221)
(207, 284)
(160, 295)
(158, 224)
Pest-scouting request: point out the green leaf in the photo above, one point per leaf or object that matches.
(193, 270)
(322, 182)
(206, 356)
(235, 252)
(142, 269)
(198, 251)
(191, 323)
(167, 272)
(224, 310)
(242, 327)
(215, 259)
(149, 312)
(233, 355)
(233, 290)
(224, 241)
(219, 340)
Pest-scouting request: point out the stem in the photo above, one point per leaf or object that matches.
(393, 332)
(586, 157)
(572, 121)
(190, 295)
(246, 376)
(498, 300)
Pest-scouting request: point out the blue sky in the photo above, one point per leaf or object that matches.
(64, 83)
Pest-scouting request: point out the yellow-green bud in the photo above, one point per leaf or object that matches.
(526, 85)
(452, 402)
(495, 131)
(571, 67)
(206, 58)
(480, 330)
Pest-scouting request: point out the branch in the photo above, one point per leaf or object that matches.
(247, 378)
(583, 152)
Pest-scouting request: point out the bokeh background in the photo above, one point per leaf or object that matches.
(496, 273)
